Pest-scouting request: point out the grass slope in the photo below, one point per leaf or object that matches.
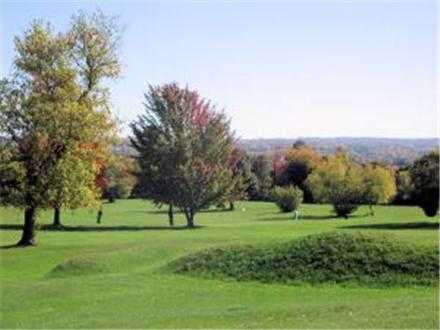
(331, 257)
(112, 275)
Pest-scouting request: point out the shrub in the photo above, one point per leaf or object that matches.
(344, 209)
(287, 199)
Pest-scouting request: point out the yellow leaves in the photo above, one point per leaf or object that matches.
(340, 175)
(303, 154)
(337, 176)
(55, 113)
(380, 183)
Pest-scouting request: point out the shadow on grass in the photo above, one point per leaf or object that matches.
(216, 211)
(11, 246)
(179, 212)
(317, 217)
(289, 217)
(397, 226)
(151, 211)
(97, 228)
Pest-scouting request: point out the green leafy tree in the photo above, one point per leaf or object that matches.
(339, 181)
(424, 174)
(121, 178)
(240, 166)
(405, 188)
(294, 167)
(183, 147)
(261, 181)
(53, 106)
(379, 185)
(288, 198)
(73, 184)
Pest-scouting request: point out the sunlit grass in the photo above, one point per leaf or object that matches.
(112, 275)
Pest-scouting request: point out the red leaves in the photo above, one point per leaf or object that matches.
(201, 111)
(101, 179)
(279, 165)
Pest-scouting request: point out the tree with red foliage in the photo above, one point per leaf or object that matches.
(294, 165)
(184, 147)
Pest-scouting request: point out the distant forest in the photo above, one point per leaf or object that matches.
(399, 152)
(393, 151)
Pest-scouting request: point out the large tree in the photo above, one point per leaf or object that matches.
(240, 166)
(405, 188)
(339, 181)
(183, 147)
(424, 174)
(379, 185)
(295, 165)
(261, 181)
(53, 107)
(74, 179)
(121, 177)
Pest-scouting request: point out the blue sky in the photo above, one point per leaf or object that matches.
(279, 68)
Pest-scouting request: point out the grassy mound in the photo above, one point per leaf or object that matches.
(333, 257)
(76, 266)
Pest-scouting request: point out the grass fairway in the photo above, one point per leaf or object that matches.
(112, 275)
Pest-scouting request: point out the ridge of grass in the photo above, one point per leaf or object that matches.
(331, 257)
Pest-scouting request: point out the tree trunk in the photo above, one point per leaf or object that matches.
(371, 210)
(189, 219)
(56, 216)
(231, 206)
(28, 235)
(171, 215)
(99, 215)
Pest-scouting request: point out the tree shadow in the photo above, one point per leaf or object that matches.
(97, 228)
(159, 211)
(286, 217)
(216, 211)
(317, 217)
(11, 246)
(152, 211)
(289, 216)
(397, 226)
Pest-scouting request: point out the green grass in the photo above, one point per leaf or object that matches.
(330, 257)
(114, 275)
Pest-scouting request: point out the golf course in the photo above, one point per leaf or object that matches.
(119, 274)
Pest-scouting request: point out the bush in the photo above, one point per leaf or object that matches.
(288, 199)
(332, 257)
(344, 209)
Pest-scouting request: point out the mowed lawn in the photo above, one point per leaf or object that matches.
(112, 275)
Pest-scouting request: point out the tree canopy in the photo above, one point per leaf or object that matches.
(425, 178)
(54, 113)
(184, 147)
(379, 184)
(338, 181)
(295, 165)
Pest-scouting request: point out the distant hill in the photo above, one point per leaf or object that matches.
(387, 150)
(399, 152)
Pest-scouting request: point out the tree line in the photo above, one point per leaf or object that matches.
(57, 134)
